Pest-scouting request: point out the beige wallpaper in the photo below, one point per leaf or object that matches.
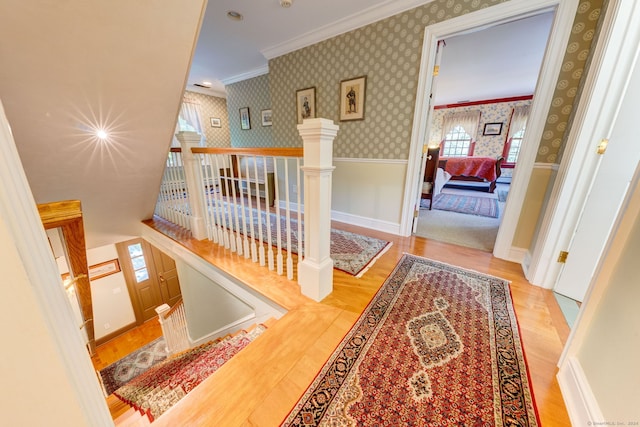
(255, 94)
(388, 53)
(212, 106)
(569, 81)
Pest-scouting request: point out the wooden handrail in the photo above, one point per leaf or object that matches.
(175, 150)
(271, 151)
(172, 309)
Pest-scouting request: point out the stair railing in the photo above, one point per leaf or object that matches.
(173, 322)
(253, 201)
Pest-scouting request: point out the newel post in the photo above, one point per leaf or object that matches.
(315, 271)
(192, 176)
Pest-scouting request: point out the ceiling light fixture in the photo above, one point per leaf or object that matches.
(102, 134)
(286, 3)
(234, 16)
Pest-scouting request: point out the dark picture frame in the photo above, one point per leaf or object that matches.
(305, 104)
(352, 97)
(492, 129)
(245, 119)
(266, 116)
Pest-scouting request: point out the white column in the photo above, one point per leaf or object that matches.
(315, 271)
(161, 310)
(192, 176)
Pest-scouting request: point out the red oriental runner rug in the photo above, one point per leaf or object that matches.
(437, 346)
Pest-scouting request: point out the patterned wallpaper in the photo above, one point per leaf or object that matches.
(569, 81)
(388, 53)
(212, 106)
(486, 145)
(255, 94)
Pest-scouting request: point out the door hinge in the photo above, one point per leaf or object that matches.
(563, 256)
(416, 213)
(436, 70)
(602, 147)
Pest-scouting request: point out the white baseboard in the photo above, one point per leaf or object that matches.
(517, 255)
(581, 404)
(361, 221)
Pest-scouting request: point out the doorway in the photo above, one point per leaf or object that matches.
(543, 95)
(473, 80)
(151, 277)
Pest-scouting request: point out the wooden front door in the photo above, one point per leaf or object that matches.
(167, 275)
(151, 277)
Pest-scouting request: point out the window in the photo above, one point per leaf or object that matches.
(514, 146)
(138, 262)
(459, 133)
(457, 143)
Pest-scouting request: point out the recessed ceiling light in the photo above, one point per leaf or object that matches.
(102, 134)
(234, 16)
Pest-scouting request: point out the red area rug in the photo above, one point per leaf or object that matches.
(437, 346)
(470, 205)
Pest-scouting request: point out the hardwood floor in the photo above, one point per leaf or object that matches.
(260, 385)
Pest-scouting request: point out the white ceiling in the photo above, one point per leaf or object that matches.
(71, 67)
(496, 62)
(229, 51)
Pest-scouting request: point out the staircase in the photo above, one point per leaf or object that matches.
(153, 392)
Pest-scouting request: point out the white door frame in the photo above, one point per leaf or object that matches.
(608, 77)
(550, 69)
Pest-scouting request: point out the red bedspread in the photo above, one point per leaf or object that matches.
(479, 167)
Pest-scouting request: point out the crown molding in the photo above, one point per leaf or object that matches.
(248, 75)
(346, 24)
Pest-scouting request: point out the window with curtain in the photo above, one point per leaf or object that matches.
(189, 120)
(517, 129)
(459, 131)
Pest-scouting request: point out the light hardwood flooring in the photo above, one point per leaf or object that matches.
(261, 384)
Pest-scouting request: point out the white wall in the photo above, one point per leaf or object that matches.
(369, 192)
(112, 308)
(35, 390)
(208, 306)
(599, 373)
(610, 352)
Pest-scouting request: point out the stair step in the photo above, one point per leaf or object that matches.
(132, 418)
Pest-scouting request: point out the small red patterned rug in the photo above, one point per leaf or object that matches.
(470, 205)
(437, 346)
(162, 386)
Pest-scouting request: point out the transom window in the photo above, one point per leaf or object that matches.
(457, 143)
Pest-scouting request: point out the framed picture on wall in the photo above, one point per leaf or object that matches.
(266, 117)
(245, 120)
(352, 92)
(492, 129)
(215, 122)
(306, 103)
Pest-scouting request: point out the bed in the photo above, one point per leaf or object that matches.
(475, 173)
(435, 177)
